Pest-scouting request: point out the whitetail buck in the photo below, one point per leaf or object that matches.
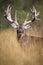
(26, 25)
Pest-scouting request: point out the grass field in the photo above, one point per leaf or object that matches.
(11, 53)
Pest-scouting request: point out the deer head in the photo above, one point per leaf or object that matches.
(26, 25)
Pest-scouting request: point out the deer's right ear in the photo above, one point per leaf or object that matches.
(14, 25)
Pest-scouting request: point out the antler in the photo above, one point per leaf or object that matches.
(35, 14)
(25, 22)
(7, 15)
(16, 17)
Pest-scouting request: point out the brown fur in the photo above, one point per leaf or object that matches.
(28, 40)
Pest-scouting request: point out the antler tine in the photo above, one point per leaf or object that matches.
(33, 9)
(8, 10)
(26, 17)
(16, 17)
(35, 13)
(8, 13)
(26, 22)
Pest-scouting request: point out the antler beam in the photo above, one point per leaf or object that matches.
(34, 17)
(7, 15)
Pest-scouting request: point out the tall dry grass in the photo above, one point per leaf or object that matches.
(11, 53)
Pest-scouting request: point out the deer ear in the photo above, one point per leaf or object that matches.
(14, 25)
(26, 26)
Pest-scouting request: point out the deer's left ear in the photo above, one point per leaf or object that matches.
(14, 25)
(26, 26)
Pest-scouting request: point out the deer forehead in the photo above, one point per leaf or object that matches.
(20, 28)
